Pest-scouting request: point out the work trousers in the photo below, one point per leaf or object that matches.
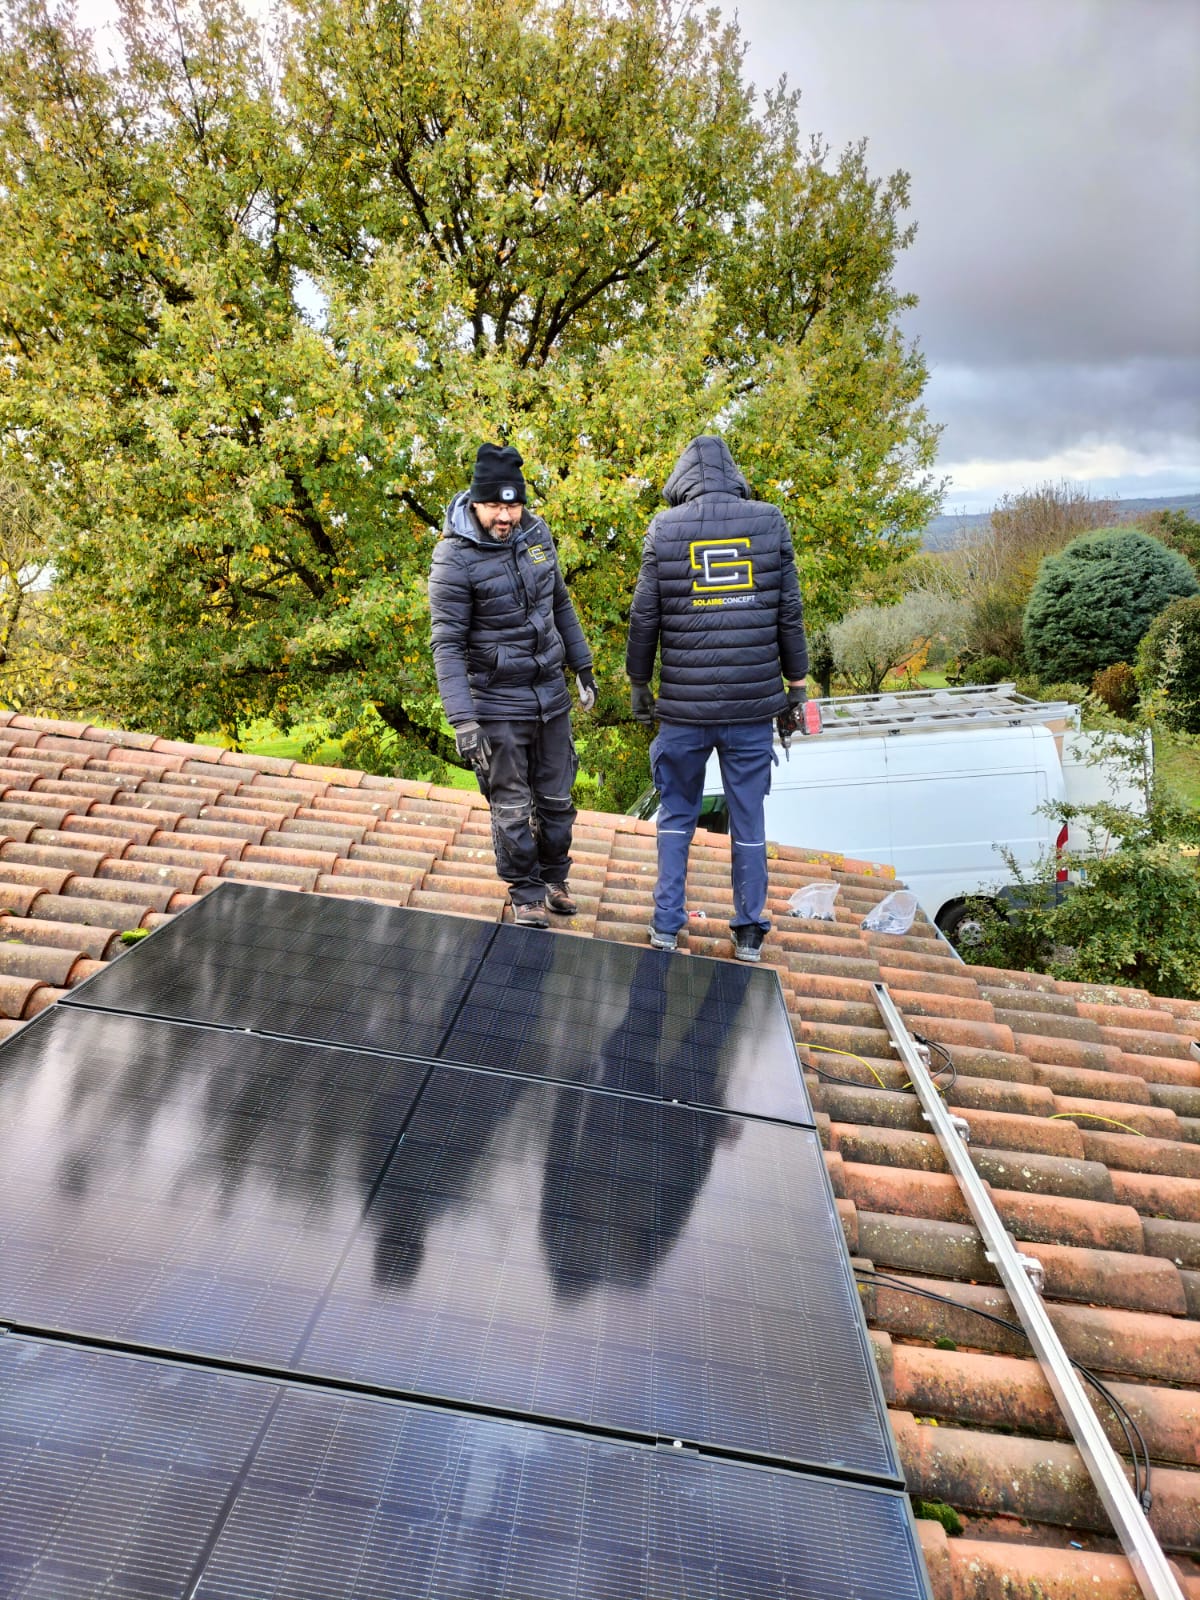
(678, 756)
(528, 787)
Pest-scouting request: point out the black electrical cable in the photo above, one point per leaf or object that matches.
(1128, 1424)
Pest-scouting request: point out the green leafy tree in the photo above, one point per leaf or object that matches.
(874, 641)
(262, 295)
(1168, 666)
(1176, 529)
(35, 672)
(1095, 599)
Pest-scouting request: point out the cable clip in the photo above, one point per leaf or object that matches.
(923, 1051)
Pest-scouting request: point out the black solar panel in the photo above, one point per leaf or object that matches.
(190, 1188)
(308, 966)
(688, 1029)
(614, 1262)
(129, 1477)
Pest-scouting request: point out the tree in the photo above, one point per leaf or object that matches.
(1168, 664)
(35, 673)
(995, 571)
(261, 297)
(872, 642)
(1094, 600)
(1176, 529)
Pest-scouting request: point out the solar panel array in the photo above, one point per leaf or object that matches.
(513, 1270)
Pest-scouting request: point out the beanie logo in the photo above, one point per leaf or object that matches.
(508, 493)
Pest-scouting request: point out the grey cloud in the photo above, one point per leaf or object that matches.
(1023, 412)
(1054, 151)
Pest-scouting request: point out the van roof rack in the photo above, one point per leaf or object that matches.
(925, 710)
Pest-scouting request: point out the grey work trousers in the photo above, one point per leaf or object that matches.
(528, 787)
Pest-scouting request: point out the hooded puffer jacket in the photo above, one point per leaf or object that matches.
(718, 594)
(503, 623)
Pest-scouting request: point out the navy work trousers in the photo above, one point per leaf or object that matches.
(678, 756)
(528, 787)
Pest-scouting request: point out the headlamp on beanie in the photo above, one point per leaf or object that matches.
(497, 478)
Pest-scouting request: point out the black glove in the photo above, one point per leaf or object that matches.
(585, 682)
(472, 745)
(642, 701)
(791, 720)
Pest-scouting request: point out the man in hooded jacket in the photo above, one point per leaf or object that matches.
(717, 594)
(504, 630)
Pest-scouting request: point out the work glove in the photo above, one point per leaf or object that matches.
(642, 701)
(585, 682)
(472, 745)
(791, 720)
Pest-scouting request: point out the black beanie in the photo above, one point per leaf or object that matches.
(497, 475)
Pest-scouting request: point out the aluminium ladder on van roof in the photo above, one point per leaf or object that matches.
(995, 705)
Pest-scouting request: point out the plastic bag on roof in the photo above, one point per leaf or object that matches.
(893, 914)
(814, 900)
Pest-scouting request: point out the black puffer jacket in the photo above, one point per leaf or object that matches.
(503, 623)
(718, 593)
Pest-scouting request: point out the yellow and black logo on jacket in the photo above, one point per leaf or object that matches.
(536, 552)
(724, 572)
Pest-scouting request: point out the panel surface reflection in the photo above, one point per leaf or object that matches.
(573, 1254)
(131, 1477)
(309, 966)
(688, 1029)
(186, 1187)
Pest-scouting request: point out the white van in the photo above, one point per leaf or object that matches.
(937, 784)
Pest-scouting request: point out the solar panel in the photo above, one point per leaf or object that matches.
(189, 1188)
(308, 966)
(132, 1477)
(620, 1263)
(697, 1031)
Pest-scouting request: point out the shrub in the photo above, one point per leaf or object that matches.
(1169, 664)
(1094, 600)
(1117, 686)
(988, 669)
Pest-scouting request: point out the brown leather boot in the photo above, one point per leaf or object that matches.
(558, 899)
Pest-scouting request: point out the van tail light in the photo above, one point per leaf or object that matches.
(1060, 844)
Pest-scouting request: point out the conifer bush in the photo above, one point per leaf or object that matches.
(1094, 600)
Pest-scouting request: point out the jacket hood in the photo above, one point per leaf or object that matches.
(705, 467)
(461, 524)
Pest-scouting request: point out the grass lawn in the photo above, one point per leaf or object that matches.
(264, 739)
(1179, 764)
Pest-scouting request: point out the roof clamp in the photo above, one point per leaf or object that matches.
(961, 1127)
(1030, 1265)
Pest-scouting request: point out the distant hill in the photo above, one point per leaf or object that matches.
(944, 532)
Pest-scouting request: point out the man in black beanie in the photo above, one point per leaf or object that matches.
(504, 631)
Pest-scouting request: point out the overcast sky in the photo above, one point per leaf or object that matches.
(1054, 150)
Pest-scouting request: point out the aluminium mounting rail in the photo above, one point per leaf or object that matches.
(1019, 1274)
(926, 710)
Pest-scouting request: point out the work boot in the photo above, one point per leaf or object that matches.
(531, 915)
(747, 943)
(558, 899)
(661, 941)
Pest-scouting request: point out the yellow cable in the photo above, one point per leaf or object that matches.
(830, 1051)
(1096, 1117)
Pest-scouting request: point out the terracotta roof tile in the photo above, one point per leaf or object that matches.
(120, 891)
(18, 897)
(272, 873)
(201, 858)
(392, 891)
(234, 834)
(43, 816)
(111, 843)
(116, 915)
(308, 824)
(16, 993)
(150, 872)
(111, 828)
(48, 855)
(120, 738)
(90, 941)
